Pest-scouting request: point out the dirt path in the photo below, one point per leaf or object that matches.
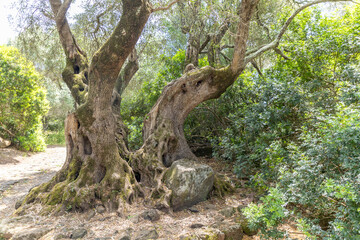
(16, 165)
(19, 172)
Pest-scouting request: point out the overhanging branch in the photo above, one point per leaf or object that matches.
(101, 15)
(258, 20)
(274, 44)
(254, 64)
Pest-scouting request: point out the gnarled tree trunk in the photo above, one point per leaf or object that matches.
(163, 134)
(94, 173)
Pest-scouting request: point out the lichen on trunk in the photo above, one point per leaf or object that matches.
(94, 172)
(163, 134)
(92, 175)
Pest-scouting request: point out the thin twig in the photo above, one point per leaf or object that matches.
(226, 46)
(256, 68)
(6, 130)
(278, 51)
(100, 15)
(258, 20)
(165, 8)
(226, 57)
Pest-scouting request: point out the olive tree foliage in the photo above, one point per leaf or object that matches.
(99, 168)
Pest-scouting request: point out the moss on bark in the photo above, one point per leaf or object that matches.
(222, 187)
(87, 179)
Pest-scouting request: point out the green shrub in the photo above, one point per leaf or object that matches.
(296, 133)
(134, 108)
(55, 137)
(320, 182)
(22, 101)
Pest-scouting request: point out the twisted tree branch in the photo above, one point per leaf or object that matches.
(275, 43)
(164, 8)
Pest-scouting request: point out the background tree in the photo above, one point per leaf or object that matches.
(22, 101)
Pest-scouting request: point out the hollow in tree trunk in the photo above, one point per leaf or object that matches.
(94, 172)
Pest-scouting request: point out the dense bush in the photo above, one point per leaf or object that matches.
(22, 101)
(318, 181)
(308, 164)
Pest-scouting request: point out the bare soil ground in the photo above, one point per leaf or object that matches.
(21, 171)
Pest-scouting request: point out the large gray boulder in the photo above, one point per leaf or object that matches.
(190, 183)
(4, 143)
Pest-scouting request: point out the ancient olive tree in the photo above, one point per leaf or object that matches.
(99, 169)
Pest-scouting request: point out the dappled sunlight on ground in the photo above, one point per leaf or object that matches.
(27, 170)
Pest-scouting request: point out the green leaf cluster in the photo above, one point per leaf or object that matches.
(297, 133)
(22, 101)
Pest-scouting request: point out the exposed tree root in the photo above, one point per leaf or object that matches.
(149, 167)
(84, 181)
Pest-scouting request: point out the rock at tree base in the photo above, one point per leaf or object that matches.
(190, 183)
(232, 232)
(78, 233)
(151, 214)
(90, 214)
(147, 234)
(196, 225)
(4, 143)
(193, 209)
(100, 209)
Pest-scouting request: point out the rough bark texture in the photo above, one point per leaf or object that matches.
(75, 74)
(163, 134)
(164, 140)
(94, 173)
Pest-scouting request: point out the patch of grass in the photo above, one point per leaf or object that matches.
(54, 138)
